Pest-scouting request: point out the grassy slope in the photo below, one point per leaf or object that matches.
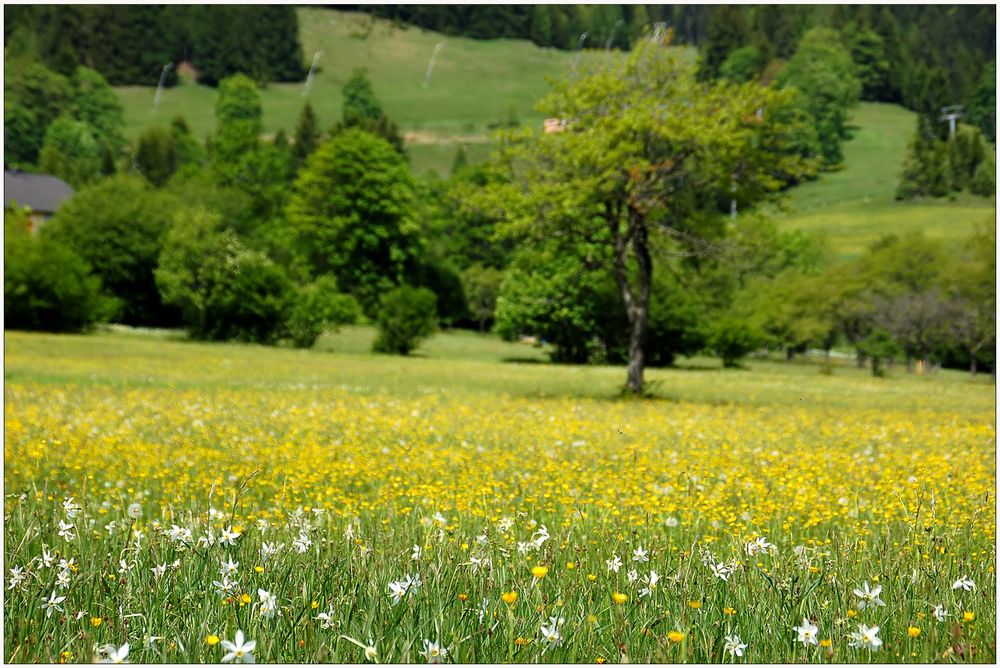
(853, 207)
(474, 83)
(461, 363)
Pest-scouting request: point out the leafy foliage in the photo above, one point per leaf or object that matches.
(46, 285)
(223, 290)
(117, 226)
(351, 215)
(406, 316)
(319, 307)
(822, 69)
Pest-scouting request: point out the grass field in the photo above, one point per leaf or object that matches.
(855, 206)
(332, 505)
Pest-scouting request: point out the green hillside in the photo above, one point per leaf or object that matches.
(855, 206)
(474, 84)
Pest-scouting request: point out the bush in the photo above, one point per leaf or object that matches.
(406, 316)
(117, 226)
(733, 340)
(319, 307)
(47, 286)
(224, 290)
(984, 178)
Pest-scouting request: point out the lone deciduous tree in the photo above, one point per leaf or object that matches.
(649, 159)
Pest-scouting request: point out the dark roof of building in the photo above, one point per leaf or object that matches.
(41, 193)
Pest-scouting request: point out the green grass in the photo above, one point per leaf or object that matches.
(458, 362)
(852, 208)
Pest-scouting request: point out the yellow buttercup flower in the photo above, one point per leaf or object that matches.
(694, 604)
(969, 616)
(913, 631)
(211, 640)
(96, 621)
(619, 598)
(509, 597)
(826, 642)
(245, 598)
(539, 572)
(675, 636)
(591, 577)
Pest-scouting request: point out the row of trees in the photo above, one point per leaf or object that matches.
(130, 44)
(613, 240)
(242, 238)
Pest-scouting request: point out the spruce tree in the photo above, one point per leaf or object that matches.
(727, 31)
(306, 137)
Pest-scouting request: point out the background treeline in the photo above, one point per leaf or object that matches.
(130, 44)
(913, 55)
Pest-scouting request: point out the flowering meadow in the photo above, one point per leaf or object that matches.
(177, 502)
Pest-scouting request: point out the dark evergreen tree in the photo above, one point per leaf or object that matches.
(306, 137)
(727, 31)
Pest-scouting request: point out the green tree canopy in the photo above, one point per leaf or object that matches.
(822, 69)
(117, 226)
(648, 160)
(71, 152)
(351, 213)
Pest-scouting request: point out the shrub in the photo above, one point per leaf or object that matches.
(117, 226)
(318, 307)
(406, 316)
(984, 178)
(732, 340)
(224, 290)
(46, 285)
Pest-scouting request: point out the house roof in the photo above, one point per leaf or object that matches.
(41, 193)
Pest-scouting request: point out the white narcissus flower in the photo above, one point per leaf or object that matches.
(71, 508)
(964, 583)
(640, 555)
(268, 550)
(866, 637)
(229, 536)
(868, 596)
(614, 563)
(268, 604)
(53, 604)
(228, 567)
(940, 613)
(17, 577)
(159, 571)
(433, 652)
(116, 655)
(240, 651)
(722, 571)
(302, 543)
(326, 618)
(807, 632)
(650, 585)
(66, 531)
(760, 544)
(734, 646)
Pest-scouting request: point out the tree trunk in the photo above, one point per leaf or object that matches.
(972, 365)
(636, 298)
(789, 354)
